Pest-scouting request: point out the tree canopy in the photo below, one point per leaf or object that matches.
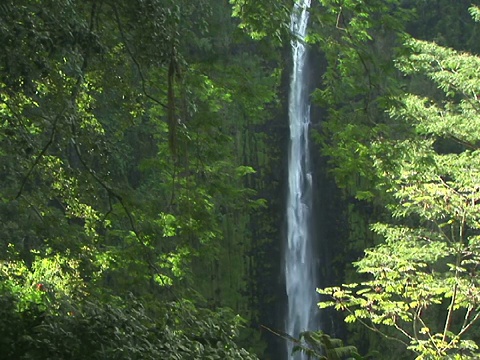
(421, 280)
(143, 156)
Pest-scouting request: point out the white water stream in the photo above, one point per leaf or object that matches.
(299, 257)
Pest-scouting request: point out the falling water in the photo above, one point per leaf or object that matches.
(299, 261)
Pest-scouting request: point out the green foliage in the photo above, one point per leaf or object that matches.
(359, 40)
(475, 13)
(422, 282)
(446, 23)
(264, 18)
(122, 150)
(123, 329)
(318, 345)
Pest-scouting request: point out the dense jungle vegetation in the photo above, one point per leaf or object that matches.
(142, 157)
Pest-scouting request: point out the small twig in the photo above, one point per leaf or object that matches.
(467, 316)
(337, 24)
(448, 320)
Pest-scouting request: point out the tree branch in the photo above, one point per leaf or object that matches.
(39, 157)
(474, 320)
(135, 61)
(373, 328)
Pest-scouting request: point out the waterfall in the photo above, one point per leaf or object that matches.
(299, 260)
